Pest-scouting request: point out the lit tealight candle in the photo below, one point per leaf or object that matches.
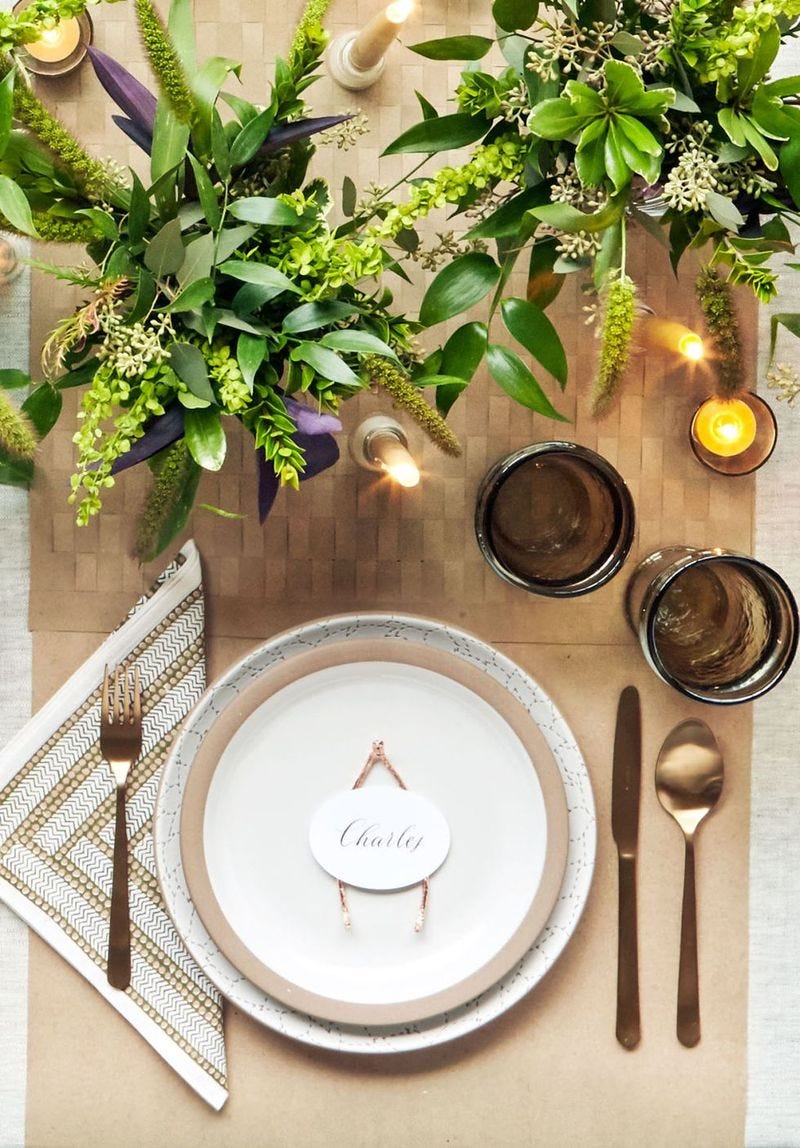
(56, 44)
(372, 42)
(725, 427)
(380, 443)
(691, 347)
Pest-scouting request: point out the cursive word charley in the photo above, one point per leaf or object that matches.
(371, 835)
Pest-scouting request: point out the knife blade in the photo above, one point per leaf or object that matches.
(625, 799)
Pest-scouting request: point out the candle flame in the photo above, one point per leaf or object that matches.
(404, 473)
(725, 427)
(691, 347)
(399, 11)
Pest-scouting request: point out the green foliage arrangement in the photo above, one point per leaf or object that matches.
(218, 291)
(611, 114)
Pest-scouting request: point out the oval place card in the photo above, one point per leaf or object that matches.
(379, 837)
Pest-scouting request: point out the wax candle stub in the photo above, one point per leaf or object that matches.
(372, 42)
(395, 459)
(56, 44)
(725, 427)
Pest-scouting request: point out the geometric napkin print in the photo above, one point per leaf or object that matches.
(57, 810)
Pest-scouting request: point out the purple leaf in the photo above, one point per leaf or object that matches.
(163, 431)
(289, 133)
(140, 137)
(321, 450)
(310, 421)
(128, 93)
(267, 487)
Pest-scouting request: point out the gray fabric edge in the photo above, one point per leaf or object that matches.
(15, 707)
(773, 1038)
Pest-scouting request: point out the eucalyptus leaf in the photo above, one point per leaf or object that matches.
(265, 211)
(228, 318)
(198, 260)
(349, 196)
(192, 402)
(189, 365)
(198, 292)
(514, 15)
(101, 221)
(165, 252)
(360, 342)
(325, 362)
(510, 373)
(724, 210)
(458, 286)
(251, 351)
(311, 316)
(43, 406)
(205, 438)
(259, 273)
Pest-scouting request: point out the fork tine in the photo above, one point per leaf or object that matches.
(118, 688)
(126, 695)
(137, 696)
(105, 714)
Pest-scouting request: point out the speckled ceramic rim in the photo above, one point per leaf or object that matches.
(209, 753)
(606, 566)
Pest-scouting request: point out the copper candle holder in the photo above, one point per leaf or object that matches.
(726, 459)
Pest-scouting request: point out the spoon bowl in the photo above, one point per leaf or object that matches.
(689, 774)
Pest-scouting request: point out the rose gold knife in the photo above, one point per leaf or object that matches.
(626, 788)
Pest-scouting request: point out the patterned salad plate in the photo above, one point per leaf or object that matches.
(289, 726)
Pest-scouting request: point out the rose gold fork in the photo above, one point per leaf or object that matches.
(120, 744)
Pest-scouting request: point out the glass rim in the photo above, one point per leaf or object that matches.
(598, 574)
(670, 575)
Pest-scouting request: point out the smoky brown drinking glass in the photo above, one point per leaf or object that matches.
(719, 626)
(555, 518)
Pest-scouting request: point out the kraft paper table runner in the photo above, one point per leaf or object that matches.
(550, 1070)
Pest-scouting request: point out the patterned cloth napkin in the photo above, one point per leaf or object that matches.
(57, 810)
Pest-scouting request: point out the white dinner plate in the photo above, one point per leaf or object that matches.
(298, 735)
(397, 974)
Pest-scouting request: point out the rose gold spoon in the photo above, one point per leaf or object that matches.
(689, 782)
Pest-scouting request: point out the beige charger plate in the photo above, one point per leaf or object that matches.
(196, 868)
